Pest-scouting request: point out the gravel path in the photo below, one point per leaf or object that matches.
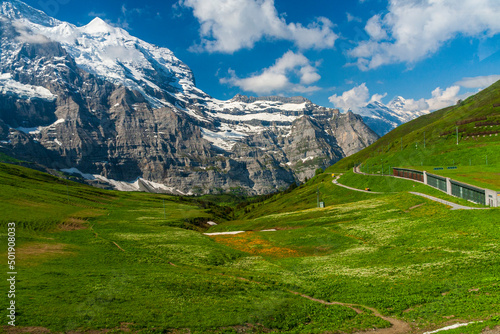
(442, 201)
(432, 198)
(355, 189)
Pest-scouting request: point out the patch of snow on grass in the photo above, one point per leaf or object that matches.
(451, 327)
(225, 233)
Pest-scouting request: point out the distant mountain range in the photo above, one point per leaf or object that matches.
(121, 113)
(383, 118)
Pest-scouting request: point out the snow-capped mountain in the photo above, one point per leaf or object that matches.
(108, 52)
(98, 102)
(383, 118)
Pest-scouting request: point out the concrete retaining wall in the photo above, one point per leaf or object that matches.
(491, 197)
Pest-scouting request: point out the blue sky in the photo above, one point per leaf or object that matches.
(336, 53)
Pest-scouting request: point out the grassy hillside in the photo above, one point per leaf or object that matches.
(431, 140)
(408, 257)
(90, 260)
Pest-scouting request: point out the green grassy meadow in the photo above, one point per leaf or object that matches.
(96, 261)
(89, 259)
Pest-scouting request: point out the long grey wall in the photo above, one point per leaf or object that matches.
(452, 187)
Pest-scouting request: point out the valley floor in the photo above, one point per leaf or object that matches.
(93, 261)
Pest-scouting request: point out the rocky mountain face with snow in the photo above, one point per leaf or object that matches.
(97, 102)
(383, 118)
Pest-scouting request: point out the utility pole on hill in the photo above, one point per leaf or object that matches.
(317, 197)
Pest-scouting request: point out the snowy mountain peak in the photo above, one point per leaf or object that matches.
(112, 54)
(383, 118)
(398, 103)
(399, 99)
(99, 26)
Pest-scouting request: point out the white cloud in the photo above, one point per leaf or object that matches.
(231, 25)
(440, 99)
(443, 98)
(27, 36)
(352, 18)
(478, 82)
(277, 78)
(353, 99)
(377, 98)
(309, 75)
(374, 28)
(414, 29)
(359, 97)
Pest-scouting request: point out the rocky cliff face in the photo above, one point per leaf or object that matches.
(141, 124)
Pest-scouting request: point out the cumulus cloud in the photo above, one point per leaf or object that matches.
(414, 29)
(478, 82)
(231, 25)
(277, 78)
(374, 28)
(359, 97)
(354, 99)
(377, 97)
(441, 98)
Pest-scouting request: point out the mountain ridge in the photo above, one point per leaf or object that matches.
(382, 118)
(126, 110)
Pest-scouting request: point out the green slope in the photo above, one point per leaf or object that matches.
(431, 141)
(90, 259)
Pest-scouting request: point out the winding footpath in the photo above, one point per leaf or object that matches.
(397, 326)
